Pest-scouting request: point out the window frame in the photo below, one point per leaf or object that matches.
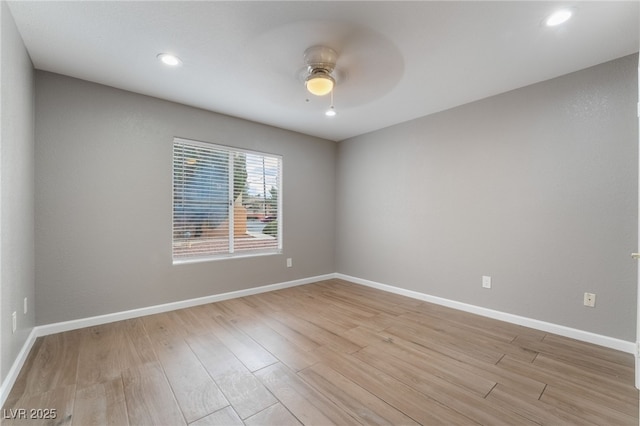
(230, 253)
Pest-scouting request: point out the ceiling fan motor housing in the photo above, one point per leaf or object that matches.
(320, 58)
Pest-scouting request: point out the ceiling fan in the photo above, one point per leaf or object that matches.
(320, 78)
(353, 63)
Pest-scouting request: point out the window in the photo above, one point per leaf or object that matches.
(226, 202)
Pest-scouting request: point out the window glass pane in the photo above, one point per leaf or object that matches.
(203, 200)
(259, 204)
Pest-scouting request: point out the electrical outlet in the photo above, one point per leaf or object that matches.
(590, 300)
(486, 281)
(25, 305)
(289, 262)
(14, 322)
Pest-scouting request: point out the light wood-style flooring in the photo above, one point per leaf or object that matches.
(332, 352)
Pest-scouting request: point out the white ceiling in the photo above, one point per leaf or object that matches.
(397, 60)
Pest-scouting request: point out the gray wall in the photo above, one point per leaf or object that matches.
(103, 201)
(537, 188)
(16, 191)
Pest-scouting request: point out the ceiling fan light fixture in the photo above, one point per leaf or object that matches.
(319, 83)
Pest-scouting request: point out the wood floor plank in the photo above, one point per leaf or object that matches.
(330, 318)
(274, 415)
(150, 400)
(429, 338)
(484, 338)
(448, 394)
(583, 358)
(139, 349)
(241, 388)
(100, 354)
(348, 306)
(181, 323)
(319, 335)
(233, 309)
(287, 352)
(105, 351)
(370, 293)
(162, 326)
(586, 409)
(432, 365)
(462, 364)
(560, 367)
(190, 320)
(101, 404)
(291, 332)
(623, 400)
(355, 400)
(248, 351)
(576, 346)
(362, 336)
(272, 301)
(308, 405)
(532, 408)
(196, 392)
(369, 305)
(324, 313)
(414, 404)
(480, 322)
(224, 417)
(54, 364)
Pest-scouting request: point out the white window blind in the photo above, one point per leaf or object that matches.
(226, 202)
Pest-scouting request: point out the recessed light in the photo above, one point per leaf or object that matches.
(169, 59)
(331, 112)
(558, 17)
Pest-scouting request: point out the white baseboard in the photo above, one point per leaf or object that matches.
(8, 382)
(638, 370)
(585, 336)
